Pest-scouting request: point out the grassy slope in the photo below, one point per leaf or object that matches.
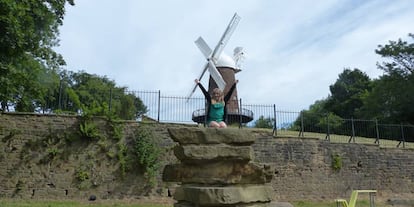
(340, 138)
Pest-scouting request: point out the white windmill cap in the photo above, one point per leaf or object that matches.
(226, 61)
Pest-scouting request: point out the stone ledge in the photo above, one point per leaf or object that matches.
(228, 195)
(205, 153)
(218, 173)
(186, 136)
(255, 204)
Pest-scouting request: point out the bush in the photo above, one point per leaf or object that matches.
(148, 153)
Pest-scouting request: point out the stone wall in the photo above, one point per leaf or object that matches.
(42, 156)
(304, 168)
(46, 157)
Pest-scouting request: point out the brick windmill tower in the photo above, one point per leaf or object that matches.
(227, 68)
(222, 69)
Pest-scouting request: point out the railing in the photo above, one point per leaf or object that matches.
(176, 109)
(202, 112)
(179, 109)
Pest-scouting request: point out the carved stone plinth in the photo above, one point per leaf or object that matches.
(216, 169)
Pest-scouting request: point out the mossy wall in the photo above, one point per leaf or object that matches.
(314, 169)
(46, 157)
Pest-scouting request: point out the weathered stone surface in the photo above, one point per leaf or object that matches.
(184, 204)
(216, 169)
(211, 136)
(400, 202)
(266, 204)
(280, 204)
(224, 195)
(255, 204)
(218, 173)
(207, 153)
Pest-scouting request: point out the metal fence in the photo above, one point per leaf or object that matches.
(176, 109)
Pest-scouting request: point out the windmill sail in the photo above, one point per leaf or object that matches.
(201, 75)
(204, 48)
(226, 36)
(213, 56)
(215, 74)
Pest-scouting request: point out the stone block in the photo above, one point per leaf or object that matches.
(228, 195)
(207, 153)
(266, 204)
(186, 135)
(184, 204)
(218, 173)
(255, 204)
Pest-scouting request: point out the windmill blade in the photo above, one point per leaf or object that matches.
(195, 85)
(204, 71)
(226, 36)
(213, 56)
(215, 74)
(191, 93)
(204, 48)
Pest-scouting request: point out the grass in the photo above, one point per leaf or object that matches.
(122, 203)
(334, 138)
(360, 203)
(71, 203)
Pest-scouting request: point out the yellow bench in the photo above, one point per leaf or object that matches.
(354, 196)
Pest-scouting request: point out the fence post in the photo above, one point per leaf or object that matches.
(274, 122)
(159, 105)
(60, 94)
(376, 128)
(353, 131)
(205, 113)
(240, 115)
(328, 132)
(402, 136)
(301, 125)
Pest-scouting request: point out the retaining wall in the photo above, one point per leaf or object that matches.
(43, 156)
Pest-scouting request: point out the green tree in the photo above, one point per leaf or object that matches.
(28, 32)
(317, 119)
(401, 54)
(92, 90)
(30, 75)
(347, 93)
(264, 122)
(391, 99)
(97, 95)
(311, 117)
(130, 107)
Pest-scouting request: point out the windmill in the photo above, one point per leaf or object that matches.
(222, 69)
(213, 56)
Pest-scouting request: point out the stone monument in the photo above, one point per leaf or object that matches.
(216, 169)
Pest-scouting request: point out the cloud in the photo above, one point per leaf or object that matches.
(295, 49)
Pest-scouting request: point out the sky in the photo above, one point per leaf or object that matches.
(294, 49)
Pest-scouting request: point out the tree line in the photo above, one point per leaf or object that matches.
(388, 99)
(32, 78)
(31, 74)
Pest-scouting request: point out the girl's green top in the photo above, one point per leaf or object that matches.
(216, 112)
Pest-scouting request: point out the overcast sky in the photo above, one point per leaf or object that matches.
(295, 49)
